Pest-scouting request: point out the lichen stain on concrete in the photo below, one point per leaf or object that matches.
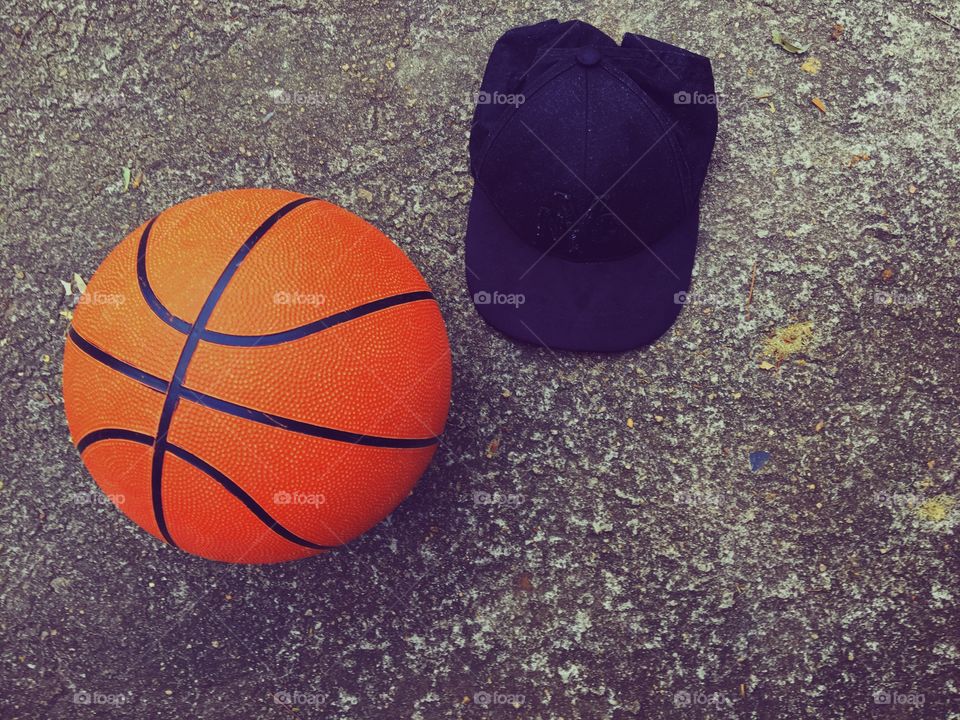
(936, 509)
(789, 340)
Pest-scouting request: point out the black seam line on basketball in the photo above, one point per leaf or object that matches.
(298, 426)
(151, 381)
(206, 468)
(247, 413)
(240, 494)
(183, 326)
(113, 434)
(147, 291)
(186, 355)
(318, 325)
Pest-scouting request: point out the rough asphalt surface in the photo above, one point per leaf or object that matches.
(557, 561)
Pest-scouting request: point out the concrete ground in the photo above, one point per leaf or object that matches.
(615, 569)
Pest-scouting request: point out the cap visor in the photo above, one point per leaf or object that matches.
(605, 306)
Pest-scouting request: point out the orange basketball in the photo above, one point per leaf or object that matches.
(256, 376)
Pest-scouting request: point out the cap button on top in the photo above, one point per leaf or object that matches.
(588, 56)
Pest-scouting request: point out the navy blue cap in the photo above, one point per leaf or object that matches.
(588, 158)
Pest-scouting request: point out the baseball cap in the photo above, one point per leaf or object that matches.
(588, 158)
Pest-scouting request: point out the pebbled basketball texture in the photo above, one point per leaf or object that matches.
(256, 376)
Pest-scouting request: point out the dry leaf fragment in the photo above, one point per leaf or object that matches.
(787, 44)
(837, 32)
(820, 105)
(80, 283)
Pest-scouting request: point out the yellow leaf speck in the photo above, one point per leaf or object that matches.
(811, 65)
(789, 340)
(936, 509)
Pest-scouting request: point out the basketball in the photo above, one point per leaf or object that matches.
(255, 376)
